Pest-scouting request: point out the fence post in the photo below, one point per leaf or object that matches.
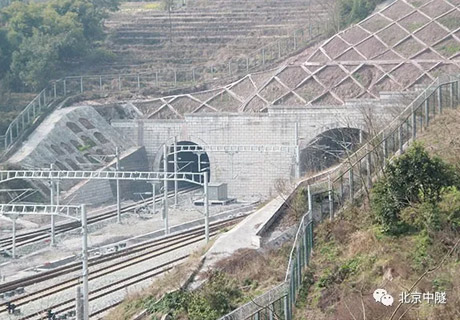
(54, 89)
(427, 112)
(330, 198)
(451, 95)
(156, 78)
(414, 124)
(263, 56)
(400, 138)
(138, 81)
(295, 41)
(230, 68)
(119, 82)
(368, 169)
(81, 84)
(193, 75)
(175, 77)
(440, 99)
(100, 83)
(65, 88)
(247, 64)
(286, 308)
(350, 183)
(279, 49)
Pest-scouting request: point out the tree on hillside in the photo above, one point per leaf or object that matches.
(39, 39)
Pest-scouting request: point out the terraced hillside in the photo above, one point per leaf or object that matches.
(405, 44)
(144, 36)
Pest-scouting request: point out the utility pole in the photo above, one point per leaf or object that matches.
(117, 168)
(13, 248)
(165, 191)
(206, 207)
(52, 242)
(85, 279)
(297, 151)
(176, 183)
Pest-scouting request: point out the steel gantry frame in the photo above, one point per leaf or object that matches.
(14, 211)
(151, 177)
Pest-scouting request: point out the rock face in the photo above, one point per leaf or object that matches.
(404, 45)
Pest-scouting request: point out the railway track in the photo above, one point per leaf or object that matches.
(44, 233)
(108, 265)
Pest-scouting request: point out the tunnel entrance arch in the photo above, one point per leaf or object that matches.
(329, 148)
(193, 159)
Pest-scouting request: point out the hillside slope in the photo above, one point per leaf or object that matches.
(353, 256)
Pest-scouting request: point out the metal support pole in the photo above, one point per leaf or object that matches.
(414, 125)
(400, 138)
(119, 82)
(13, 248)
(65, 88)
(117, 168)
(310, 201)
(206, 206)
(439, 99)
(81, 84)
(351, 183)
(331, 200)
(175, 77)
(138, 82)
(295, 42)
(247, 64)
(176, 182)
(85, 275)
(52, 240)
(263, 56)
(297, 151)
(54, 89)
(368, 169)
(100, 83)
(286, 307)
(78, 304)
(451, 95)
(229, 68)
(58, 190)
(154, 209)
(427, 113)
(165, 191)
(279, 49)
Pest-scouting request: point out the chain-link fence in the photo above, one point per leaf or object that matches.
(278, 303)
(340, 186)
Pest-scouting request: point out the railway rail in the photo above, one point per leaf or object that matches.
(43, 234)
(130, 256)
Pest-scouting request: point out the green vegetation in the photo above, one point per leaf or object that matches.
(407, 236)
(40, 40)
(352, 11)
(413, 180)
(217, 297)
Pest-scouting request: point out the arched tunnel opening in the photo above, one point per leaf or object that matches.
(190, 158)
(329, 148)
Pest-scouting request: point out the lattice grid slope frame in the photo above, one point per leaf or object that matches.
(407, 43)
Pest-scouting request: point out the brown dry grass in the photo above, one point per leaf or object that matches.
(384, 261)
(442, 138)
(172, 280)
(256, 271)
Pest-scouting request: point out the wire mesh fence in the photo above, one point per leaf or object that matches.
(342, 185)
